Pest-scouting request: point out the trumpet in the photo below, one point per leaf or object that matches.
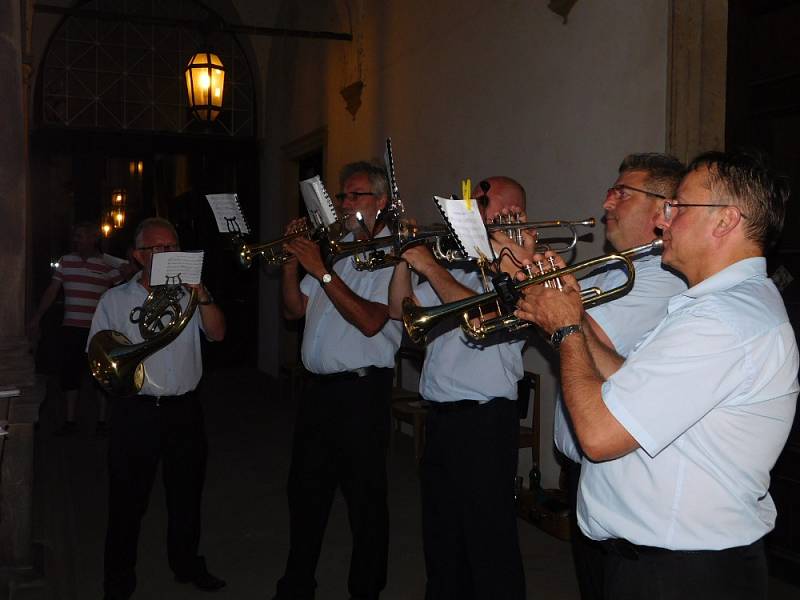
(513, 228)
(272, 253)
(419, 321)
(444, 246)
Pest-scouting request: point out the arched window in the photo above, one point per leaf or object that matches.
(106, 72)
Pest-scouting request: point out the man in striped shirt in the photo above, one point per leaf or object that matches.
(85, 276)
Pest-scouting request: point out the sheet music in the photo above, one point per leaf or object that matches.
(175, 268)
(467, 225)
(318, 203)
(228, 213)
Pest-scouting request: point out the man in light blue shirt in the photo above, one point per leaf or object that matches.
(469, 465)
(632, 205)
(683, 433)
(342, 426)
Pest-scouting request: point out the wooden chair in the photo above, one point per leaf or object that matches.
(547, 509)
(407, 406)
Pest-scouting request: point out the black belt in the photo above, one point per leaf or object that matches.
(345, 375)
(625, 549)
(457, 406)
(631, 551)
(163, 399)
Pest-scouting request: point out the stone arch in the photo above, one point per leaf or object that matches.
(103, 73)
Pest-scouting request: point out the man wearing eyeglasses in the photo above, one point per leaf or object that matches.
(162, 423)
(469, 465)
(682, 433)
(342, 425)
(632, 208)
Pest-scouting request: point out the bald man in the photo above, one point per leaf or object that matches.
(472, 430)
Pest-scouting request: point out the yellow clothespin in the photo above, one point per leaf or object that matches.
(466, 192)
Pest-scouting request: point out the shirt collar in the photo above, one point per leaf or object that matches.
(723, 280)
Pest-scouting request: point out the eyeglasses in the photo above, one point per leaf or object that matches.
(160, 248)
(620, 188)
(342, 196)
(669, 205)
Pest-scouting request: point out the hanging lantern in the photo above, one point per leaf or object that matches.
(205, 80)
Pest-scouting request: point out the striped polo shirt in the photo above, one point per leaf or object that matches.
(84, 281)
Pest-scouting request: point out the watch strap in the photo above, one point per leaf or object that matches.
(560, 334)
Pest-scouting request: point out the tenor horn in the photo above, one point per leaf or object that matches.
(118, 364)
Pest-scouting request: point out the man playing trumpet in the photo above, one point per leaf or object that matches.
(681, 435)
(469, 463)
(342, 426)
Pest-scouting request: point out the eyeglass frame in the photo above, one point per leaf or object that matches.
(342, 196)
(164, 248)
(669, 204)
(623, 186)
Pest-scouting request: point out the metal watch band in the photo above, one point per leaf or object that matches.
(560, 334)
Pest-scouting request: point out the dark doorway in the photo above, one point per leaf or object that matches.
(763, 112)
(73, 173)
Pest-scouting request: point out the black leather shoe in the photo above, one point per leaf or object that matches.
(204, 581)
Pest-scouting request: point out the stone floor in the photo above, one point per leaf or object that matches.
(245, 528)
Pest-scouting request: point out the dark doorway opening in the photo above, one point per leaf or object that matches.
(763, 112)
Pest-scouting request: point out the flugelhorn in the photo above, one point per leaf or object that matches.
(118, 364)
(420, 321)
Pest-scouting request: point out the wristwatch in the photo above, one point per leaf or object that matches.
(560, 334)
(326, 278)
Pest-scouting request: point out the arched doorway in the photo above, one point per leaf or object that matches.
(110, 112)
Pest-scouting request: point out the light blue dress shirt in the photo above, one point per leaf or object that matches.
(173, 370)
(710, 397)
(333, 345)
(625, 321)
(456, 368)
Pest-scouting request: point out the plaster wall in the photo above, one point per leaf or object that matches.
(470, 89)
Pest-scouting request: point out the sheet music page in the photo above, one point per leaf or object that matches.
(228, 213)
(467, 225)
(318, 202)
(176, 267)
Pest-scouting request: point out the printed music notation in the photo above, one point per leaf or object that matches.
(467, 225)
(320, 208)
(228, 213)
(175, 268)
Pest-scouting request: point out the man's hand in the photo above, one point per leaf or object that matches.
(420, 259)
(550, 308)
(308, 254)
(292, 227)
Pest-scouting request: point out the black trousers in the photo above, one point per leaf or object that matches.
(643, 573)
(340, 440)
(587, 555)
(74, 365)
(143, 433)
(469, 518)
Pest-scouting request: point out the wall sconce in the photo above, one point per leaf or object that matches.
(205, 82)
(136, 168)
(119, 197)
(106, 226)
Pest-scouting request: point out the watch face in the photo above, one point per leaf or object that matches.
(326, 278)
